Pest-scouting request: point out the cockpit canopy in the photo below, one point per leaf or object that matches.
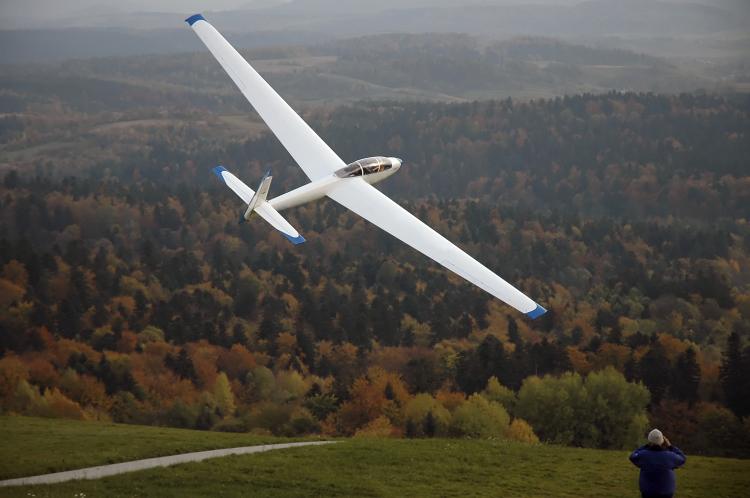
(368, 166)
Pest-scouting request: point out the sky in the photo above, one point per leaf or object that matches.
(19, 14)
(27, 13)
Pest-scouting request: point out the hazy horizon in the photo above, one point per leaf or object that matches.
(44, 14)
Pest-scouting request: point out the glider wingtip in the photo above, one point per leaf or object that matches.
(194, 19)
(536, 312)
(294, 240)
(218, 170)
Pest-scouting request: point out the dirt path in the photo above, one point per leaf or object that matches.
(149, 463)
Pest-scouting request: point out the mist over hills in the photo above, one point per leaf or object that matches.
(321, 20)
(429, 67)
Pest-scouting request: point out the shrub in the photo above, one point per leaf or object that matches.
(380, 427)
(498, 393)
(479, 418)
(422, 406)
(520, 430)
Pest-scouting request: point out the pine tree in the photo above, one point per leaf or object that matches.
(686, 377)
(734, 374)
(513, 335)
(653, 369)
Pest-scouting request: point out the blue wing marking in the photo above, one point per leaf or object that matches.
(194, 19)
(536, 312)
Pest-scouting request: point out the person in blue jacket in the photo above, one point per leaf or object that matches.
(657, 461)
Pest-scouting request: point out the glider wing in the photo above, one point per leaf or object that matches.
(313, 155)
(374, 206)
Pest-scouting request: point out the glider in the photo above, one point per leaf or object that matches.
(349, 185)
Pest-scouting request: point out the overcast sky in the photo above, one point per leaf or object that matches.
(16, 14)
(25, 13)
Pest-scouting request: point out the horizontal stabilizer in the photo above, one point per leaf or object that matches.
(259, 204)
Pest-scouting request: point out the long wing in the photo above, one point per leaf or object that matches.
(313, 155)
(374, 206)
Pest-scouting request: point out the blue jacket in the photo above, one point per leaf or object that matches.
(657, 468)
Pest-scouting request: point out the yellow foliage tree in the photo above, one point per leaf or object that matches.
(520, 430)
(223, 395)
(380, 427)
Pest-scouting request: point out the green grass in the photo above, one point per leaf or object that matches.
(31, 446)
(436, 467)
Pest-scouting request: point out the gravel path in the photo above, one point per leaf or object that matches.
(149, 463)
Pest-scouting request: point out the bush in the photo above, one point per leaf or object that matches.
(234, 424)
(604, 411)
(302, 422)
(419, 409)
(181, 415)
(520, 430)
(479, 418)
(380, 427)
(271, 416)
(498, 393)
(60, 406)
(720, 432)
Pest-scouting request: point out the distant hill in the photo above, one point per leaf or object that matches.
(432, 66)
(305, 21)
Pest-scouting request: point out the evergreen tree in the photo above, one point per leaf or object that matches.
(513, 335)
(653, 369)
(686, 377)
(734, 375)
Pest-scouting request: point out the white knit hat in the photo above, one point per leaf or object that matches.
(656, 437)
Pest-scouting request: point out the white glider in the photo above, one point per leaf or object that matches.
(349, 185)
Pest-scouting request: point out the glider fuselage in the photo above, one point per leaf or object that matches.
(371, 169)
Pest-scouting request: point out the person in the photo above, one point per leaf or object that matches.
(657, 461)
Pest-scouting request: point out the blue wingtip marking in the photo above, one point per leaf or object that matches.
(294, 240)
(217, 171)
(536, 312)
(194, 19)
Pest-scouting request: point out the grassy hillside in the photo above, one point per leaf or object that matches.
(352, 468)
(32, 446)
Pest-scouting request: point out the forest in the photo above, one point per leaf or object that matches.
(129, 292)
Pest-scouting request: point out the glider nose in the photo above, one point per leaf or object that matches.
(396, 162)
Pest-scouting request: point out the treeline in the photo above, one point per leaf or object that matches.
(128, 291)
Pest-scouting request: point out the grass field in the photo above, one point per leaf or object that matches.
(358, 467)
(31, 446)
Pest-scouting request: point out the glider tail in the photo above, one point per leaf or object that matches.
(256, 203)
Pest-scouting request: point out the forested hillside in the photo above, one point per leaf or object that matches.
(130, 292)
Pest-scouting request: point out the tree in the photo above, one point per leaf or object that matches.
(419, 409)
(498, 393)
(686, 377)
(182, 365)
(224, 396)
(476, 367)
(735, 372)
(652, 368)
(602, 411)
(554, 406)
